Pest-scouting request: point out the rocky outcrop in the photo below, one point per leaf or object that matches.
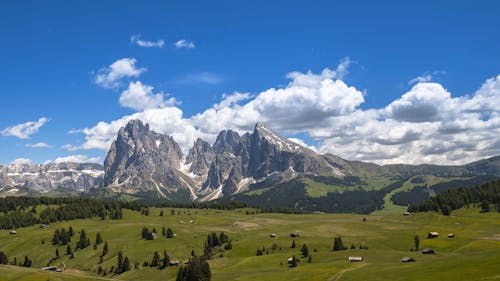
(141, 160)
(48, 177)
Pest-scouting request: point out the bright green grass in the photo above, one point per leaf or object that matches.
(317, 189)
(473, 255)
(390, 207)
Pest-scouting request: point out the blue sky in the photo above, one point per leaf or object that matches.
(52, 53)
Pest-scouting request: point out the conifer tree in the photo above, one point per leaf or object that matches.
(105, 248)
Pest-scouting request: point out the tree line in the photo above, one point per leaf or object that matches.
(486, 194)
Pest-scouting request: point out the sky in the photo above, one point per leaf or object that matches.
(379, 81)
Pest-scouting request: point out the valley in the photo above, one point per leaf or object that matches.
(388, 235)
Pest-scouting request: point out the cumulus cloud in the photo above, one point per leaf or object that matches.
(21, 161)
(38, 145)
(79, 158)
(109, 77)
(25, 130)
(184, 44)
(140, 97)
(427, 124)
(168, 120)
(425, 102)
(307, 101)
(145, 43)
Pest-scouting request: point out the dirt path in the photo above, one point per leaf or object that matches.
(339, 274)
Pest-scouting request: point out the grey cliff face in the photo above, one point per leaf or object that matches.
(142, 160)
(200, 157)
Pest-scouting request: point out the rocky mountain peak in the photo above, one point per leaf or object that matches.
(140, 160)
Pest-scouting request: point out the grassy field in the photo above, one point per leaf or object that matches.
(473, 255)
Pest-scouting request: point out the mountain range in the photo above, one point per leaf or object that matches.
(251, 167)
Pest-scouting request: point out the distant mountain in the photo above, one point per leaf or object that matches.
(151, 165)
(19, 178)
(259, 167)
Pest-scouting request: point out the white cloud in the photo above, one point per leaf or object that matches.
(166, 120)
(301, 142)
(140, 97)
(426, 77)
(38, 145)
(425, 102)
(109, 77)
(21, 161)
(25, 130)
(79, 158)
(145, 43)
(184, 44)
(307, 101)
(425, 125)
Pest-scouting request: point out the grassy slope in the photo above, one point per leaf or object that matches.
(473, 255)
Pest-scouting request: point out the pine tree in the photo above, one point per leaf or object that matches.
(170, 233)
(163, 232)
(125, 265)
(338, 245)
(293, 244)
(71, 232)
(166, 259)
(3, 258)
(156, 259)
(197, 270)
(145, 233)
(56, 237)
(27, 262)
(105, 248)
(416, 239)
(161, 213)
(305, 251)
(98, 238)
(84, 242)
(181, 274)
(57, 253)
(120, 262)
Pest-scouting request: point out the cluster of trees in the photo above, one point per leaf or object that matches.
(338, 245)
(198, 269)
(84, 241)
(419, 194)
(67, 209)
(291, 197)
(217, 205)
(486, 194)
(150, 235)
(4, 260)
(62, 237)
(157, 261)
(123, 264)
(213, 241)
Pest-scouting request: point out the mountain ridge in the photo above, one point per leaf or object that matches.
(150, 165)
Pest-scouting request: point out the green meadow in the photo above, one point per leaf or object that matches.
(474, 254)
